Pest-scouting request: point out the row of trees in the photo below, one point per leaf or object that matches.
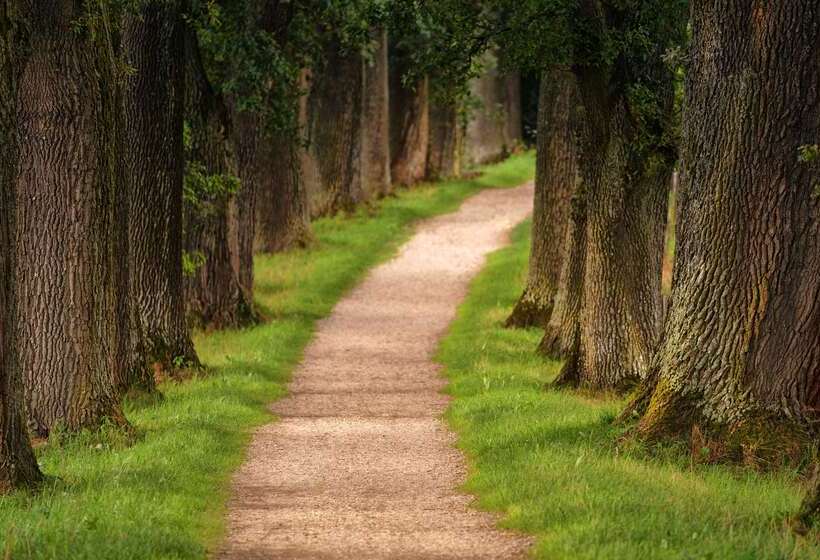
(728, 91)
(151, 147)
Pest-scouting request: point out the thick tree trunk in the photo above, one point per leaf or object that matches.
(562, 332)
(513, 134)
(486, 135)
(555, 178)
(446, 140)
(214, 295)
(254, 170)
(18, 466)
(409, 125)
(282, 220)
(741, 348)
(621, 308)
(376, 180)
(153, 44)
(332, 162)
(72, 324)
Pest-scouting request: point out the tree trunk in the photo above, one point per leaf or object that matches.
(555, 177)
(18, 466)
(485, 137)
(513, 134)
(376, 180)
(610, 317)
(332, 162)
(446, 139)
(254, 169)
(562, 332)
(741, 348)
(409, 125)
(72, 324)
(282, 220)
(153, 43)
(214, 295)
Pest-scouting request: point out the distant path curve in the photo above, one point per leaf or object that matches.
(360, 465)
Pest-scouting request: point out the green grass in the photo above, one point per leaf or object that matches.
(547, 461)
(164, 496)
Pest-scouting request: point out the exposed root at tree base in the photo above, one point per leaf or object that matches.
(550, 345)
(527, 313)
(761, 441)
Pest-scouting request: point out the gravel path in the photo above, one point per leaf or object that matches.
(360, 465)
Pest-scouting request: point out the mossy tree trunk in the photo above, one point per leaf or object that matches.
(18, 466)
(741, 348)
(555, 178)
(153, 45)
(214, 295)
(376, 180)
(71, 315)
(409, 124)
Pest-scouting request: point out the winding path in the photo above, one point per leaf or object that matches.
(360, 465)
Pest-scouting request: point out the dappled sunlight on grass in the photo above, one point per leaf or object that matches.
(548, 459)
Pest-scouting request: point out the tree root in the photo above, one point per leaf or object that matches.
(527, 313)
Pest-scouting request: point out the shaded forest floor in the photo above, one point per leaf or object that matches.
(548, 461)
(164, 495)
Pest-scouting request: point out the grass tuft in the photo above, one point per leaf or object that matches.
(162, 493)
(548, 459)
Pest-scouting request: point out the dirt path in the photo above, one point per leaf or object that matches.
(361, 465)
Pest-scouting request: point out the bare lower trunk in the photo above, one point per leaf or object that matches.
(409, 125)
(376, 180)
(214, 295)
(446, 139)
(486, 135)
(153, 44)
(513, 134)
(282, 220)
(555, 178)
(332, 162)
(18, 466)
(71, 325)
(741, 349)
(562, 332)
(252, 169)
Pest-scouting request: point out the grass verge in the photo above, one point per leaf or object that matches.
(546, 458)
(164, 495)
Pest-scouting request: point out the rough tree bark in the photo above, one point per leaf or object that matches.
(153, 44)
(18, 466)
(741, 348)
(213, 293)
(253, 170)
(409, 124)
(555, 177)
(562, 332)
(446, 139)
(282, 219)
(332, 162)
(376, 180)
(72, 324)
(621, 312)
